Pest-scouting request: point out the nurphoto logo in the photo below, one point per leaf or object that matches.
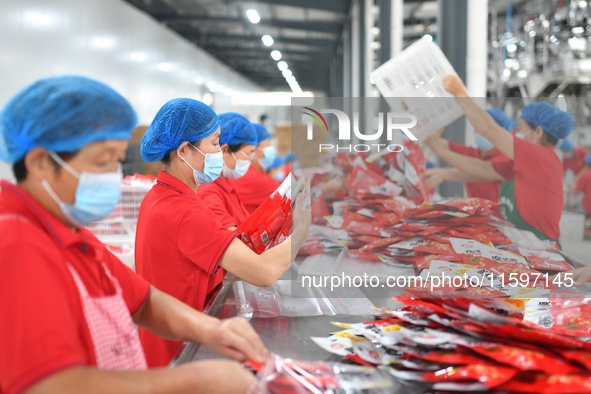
(392, 123)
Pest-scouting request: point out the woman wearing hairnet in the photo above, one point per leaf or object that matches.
(531, 194)
(69, 305)
(238, 141)
(180, 245)
(256, 185)
(484, 150)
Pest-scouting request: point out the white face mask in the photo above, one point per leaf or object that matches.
(241, 167)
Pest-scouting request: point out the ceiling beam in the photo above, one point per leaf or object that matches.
(263, 51)
(340, 6)
(333, 27)
(313, 42)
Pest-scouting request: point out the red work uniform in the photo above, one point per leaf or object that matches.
(488, 190)
(254, 187)
(584, 186)
(221, 198)
(179, 244)
(44, 330)
(577, 162)
(532, 197)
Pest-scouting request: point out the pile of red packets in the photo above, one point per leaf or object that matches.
(463, 345)
(280, 375)
(270, 224)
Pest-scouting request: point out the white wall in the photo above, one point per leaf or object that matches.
(113, 42)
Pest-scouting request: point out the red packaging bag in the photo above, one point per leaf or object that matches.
(523, 359)
(548, 384)
(490, 375)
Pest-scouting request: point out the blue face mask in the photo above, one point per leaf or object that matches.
(270, 155)
(97, 194)
(482, 143)
(212, 167)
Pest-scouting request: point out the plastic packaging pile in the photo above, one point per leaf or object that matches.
(270, 224)
(385, 217)
(462, 345)
(286, 376)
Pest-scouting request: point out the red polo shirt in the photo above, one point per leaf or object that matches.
(254, 187)
(179, 244)
(584, 186)
(577, 162)
(221, 198)
(43, 329)
(486, 190)
(537, 172)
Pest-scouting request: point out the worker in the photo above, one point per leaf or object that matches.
(181, 247)
(68, 304)
(583, 186)
(238, 140)
(531, 194)
(484, 150)
(276, 169)
(256, 185)
(573, 158)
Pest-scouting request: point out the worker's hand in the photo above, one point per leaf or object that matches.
(234, 338)
(454, 85)
(221, 377)
(302, 218)
(434, 176)
(580, 276)
(435, 142)
(331, 188)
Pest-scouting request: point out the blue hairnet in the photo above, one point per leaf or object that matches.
(236, 130)
(501, 119)
(178, 120)
(566, 146)
(554, 121)
(63, 114)
(262, 133)
(278, 162)
(588, 158)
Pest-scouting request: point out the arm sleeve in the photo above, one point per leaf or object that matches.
(504, 166)
(463, 149)
(581, 183)
(202, 239)
(40, 332)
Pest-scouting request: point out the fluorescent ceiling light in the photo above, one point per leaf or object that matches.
(253, 16)
(276, 55)
(287, 73)
(267, 40)
(38, 19)
(138, 56)
(102, 42)
(199, 80)
(165, 67)
(282, 65)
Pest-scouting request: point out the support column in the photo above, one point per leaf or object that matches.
(452, 33)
